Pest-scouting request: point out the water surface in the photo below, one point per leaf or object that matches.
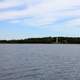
(39, 62)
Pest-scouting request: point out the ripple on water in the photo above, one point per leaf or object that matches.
(40, 62)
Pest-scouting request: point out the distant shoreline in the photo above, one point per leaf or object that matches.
(44, 40)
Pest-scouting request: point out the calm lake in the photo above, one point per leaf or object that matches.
(39, 62)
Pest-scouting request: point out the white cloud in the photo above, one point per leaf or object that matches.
(9, 3)
(73, 23)
(43, 11)
(14, 21)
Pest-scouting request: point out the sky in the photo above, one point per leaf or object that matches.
(21, 19)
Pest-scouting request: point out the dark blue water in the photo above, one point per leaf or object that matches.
(39, 62)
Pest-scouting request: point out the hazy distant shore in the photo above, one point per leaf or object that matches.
(44, 40)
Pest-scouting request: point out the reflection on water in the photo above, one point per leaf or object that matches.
(39, 62)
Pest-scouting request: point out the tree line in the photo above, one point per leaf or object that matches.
(44, 40)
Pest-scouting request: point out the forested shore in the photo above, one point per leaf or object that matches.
(45, 40)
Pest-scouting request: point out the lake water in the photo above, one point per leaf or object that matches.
(39, 62)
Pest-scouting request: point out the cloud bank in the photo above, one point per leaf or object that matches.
(41, 12)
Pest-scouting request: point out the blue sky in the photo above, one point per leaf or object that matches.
(39, 18)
